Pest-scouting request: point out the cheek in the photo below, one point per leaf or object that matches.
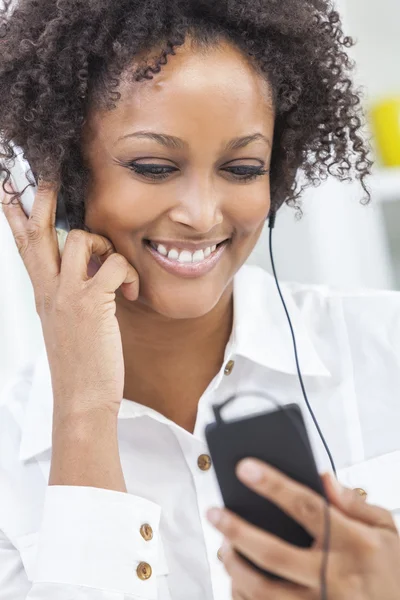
(121, 208)
(248, 211)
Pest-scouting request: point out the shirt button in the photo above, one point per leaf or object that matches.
(219, 554)
(229, 367)
(204, 462)
(144, 571)
(146, 532)
(361, 493)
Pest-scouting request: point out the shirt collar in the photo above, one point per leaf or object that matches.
(260, 333)
(261, 328)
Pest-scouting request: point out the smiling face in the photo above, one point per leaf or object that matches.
(179, 176)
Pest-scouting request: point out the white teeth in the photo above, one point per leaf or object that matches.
(173, 254)
(198, 256)
(185, 257)
(162, 250)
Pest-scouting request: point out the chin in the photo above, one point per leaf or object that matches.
(184, 303)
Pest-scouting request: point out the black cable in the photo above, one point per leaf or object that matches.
(324, 565)
(272, 219)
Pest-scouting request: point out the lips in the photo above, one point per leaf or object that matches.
(186, 263)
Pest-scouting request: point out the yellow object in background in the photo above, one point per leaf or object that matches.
(386, 123)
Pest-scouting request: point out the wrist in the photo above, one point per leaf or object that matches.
(85, 450)
(81, 423)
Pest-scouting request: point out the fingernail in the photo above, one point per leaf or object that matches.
(250, 471)
(214, 515)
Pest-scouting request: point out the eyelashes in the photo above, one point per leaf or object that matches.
(160, 172)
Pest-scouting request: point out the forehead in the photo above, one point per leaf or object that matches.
(197, 92)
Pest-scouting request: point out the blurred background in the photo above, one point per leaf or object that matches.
(338, 241)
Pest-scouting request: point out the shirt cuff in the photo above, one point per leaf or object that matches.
(91, 537)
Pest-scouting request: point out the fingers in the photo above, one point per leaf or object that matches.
(45, 205)
(35, 239)
(115, 271)
(118, 272)
(13, 211)
(351, 503)
(298, 501)
(79, 247)
(248, 584)
(301, 566)
(37, 242)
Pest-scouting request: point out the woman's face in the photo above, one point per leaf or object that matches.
(177, 170)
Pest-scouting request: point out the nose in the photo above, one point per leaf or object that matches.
(199, 207)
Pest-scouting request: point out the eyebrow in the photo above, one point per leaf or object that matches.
(176, 143)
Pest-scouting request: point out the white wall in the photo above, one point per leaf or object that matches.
(376, 26)
(338, 241)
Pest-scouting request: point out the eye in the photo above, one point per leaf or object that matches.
(151, 171)
(246, 172)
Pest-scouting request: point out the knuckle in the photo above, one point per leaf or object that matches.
(232, 529)
(68, 300)
(271, 555)
(309, 508)
(34, 232)
(368, 542)
(118, 260)
(76, 236)
(276, 487)
(22, 242)
(59, 304)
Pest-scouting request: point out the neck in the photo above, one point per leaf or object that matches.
(170, 362)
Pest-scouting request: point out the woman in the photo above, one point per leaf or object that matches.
(172, 130)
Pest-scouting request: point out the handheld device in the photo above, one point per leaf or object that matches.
(23, 182)
(278, 437)
(229, 443)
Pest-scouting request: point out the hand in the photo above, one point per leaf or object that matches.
(364, 554)
(77, 312)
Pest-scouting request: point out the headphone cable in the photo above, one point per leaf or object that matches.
(324, 565)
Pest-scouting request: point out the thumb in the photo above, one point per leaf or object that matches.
(353, 505)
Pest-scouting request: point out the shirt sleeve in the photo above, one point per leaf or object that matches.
(89, 548)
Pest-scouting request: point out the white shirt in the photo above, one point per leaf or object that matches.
(82, 543)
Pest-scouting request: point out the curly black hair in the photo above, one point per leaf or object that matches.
(59, 58)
